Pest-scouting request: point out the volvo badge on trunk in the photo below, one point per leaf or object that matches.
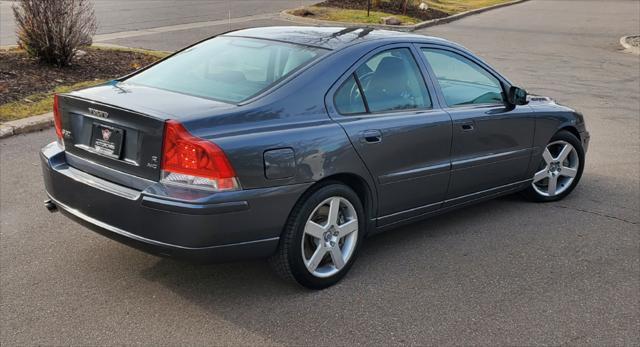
(98, 113)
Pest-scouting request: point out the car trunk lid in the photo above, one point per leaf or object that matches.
(121, 127)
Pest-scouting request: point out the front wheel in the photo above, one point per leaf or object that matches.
(560, 169)
(321, 239)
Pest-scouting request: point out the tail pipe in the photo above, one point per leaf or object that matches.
(51, 207)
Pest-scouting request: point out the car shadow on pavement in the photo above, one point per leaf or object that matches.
(248, 293)
(436, 273)
(208, 280)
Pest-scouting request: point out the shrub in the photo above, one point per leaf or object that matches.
(53, 30)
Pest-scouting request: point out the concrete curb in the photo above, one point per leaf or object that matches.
(627, 47)
(26, 125)
(285, 15)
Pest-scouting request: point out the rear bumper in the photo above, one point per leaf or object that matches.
(171, 222)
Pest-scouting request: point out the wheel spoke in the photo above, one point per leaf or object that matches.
(314, 229)
(564, 153)
(540, 175)
(546, 155)
(316, 258)
(347, 228)
(336, 256)
(553, 182)
(568, 172)
(334, 207)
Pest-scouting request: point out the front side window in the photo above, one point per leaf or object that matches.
(389, 81)
(229, 69)
(462, 81)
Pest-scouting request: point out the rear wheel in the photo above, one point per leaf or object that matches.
(322, 237)
(560, 169)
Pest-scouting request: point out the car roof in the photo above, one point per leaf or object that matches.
(329, 37)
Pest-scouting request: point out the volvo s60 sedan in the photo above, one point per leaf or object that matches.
(295, 143)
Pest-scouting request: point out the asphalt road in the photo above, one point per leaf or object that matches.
(503, 272)
(125, 15)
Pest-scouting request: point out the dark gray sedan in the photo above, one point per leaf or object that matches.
(295, 143)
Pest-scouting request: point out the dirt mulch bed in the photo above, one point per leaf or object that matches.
(21, 76)
(388, 7)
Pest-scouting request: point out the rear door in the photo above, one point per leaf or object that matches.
(385, 106)
(492, 143)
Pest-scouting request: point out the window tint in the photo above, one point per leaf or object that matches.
(229, 69)
(391, 80)
(348, 99)
(462, 81)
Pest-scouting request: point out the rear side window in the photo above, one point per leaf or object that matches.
(392, 81)
(389, 81)
(229, 69)
(348, 98)
(462, 81)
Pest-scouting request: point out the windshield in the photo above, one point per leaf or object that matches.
(229, 69)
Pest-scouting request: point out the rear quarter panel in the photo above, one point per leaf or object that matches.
(293, 116)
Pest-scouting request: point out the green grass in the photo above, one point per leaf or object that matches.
(450, 7)
(38, 103)
(157, 54)
(355, 16)
(456, 6)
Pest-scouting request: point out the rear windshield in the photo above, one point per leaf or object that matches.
(229, 69)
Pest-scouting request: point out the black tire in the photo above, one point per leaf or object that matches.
(531, 194)
(288, 261)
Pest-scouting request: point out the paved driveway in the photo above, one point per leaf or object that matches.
(503, 272)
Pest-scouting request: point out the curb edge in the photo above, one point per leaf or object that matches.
(26, 125)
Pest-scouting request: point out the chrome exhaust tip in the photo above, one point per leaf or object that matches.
(51, 207)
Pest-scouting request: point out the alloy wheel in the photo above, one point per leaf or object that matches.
(330, 237)
(558, 170)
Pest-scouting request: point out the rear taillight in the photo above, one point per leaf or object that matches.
(57, 120)
(191, 161)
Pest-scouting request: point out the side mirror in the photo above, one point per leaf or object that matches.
(517, 96)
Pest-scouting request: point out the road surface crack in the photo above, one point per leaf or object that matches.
(599, 214)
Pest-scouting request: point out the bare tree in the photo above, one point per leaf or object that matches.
(53, 30)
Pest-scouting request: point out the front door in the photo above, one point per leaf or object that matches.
(492, 143)
(386, 109)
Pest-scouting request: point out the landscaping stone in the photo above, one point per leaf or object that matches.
(391, 20)
(631, 43)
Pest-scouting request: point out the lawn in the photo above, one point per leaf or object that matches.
(356, 16)
(355, 10)
(39, 103)
(457, 6)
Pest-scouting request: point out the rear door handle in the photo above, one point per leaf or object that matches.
(372, 136)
